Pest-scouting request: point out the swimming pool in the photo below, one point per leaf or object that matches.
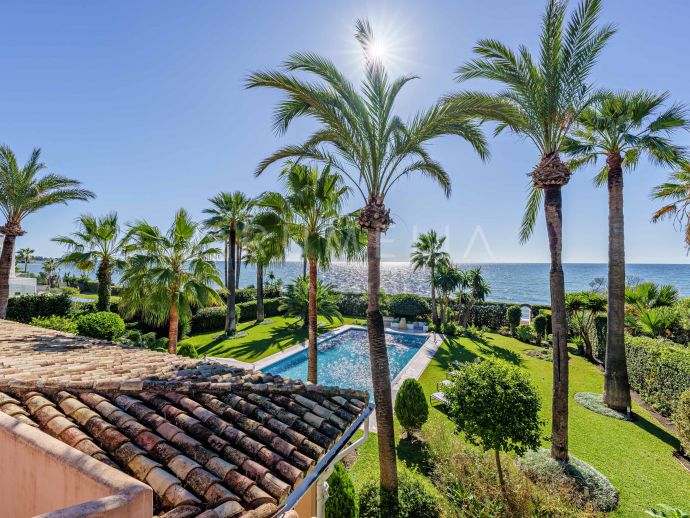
(344, 359)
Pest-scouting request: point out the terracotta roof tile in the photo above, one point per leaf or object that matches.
(210, 440)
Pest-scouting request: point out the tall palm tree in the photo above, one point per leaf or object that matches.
(262, 248)
(25, 255)
(169, 273)
(23, 191)
(475, 289)
(49, 268)
(363, 139)
(96, 245)
(677, 192)
(428, 253)
(447, 278)
(229, 214)
(621, 127)
(311, 213)
(542, 98)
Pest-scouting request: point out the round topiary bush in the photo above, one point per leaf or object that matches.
(103, 325)
(411, 407)
(342, 500)
(682, 419)
(513, 316)
(408, 305)
(539, 324)
(416, 497)
(188, 350)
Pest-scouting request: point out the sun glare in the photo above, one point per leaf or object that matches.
(377, 51)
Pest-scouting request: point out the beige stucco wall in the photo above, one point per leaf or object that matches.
(40, 475)
(306, 506)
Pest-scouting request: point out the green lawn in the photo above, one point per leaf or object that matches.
(262, 340)
(635, 456)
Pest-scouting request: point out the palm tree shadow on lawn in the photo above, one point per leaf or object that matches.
(458, 352)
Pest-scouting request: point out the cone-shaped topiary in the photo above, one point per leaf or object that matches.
(513, 315)
(342, 500)
(411, 407)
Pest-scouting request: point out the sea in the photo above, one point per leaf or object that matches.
(510, 282)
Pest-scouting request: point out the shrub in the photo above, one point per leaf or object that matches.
(245, 295)
(211, 319)
(492, 315)
(450, 329)
(539, 324)
(26, 307)
(103, 325)
(658, 370)
(409, 306)
(411, 407)
(247, 310)
(666, 511)
(600, 328)
(682, 419)
(524, 333)
(352, 304)
(187, 349)
(513, 315)
(416, 497)
(342, 500)
(496, 407)
(547, 314)
(295, 302)
(55, 322)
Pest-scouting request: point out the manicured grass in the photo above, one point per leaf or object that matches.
(635, 456)
(262, 340)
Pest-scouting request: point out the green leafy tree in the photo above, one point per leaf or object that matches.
(227, 217)
(311, 214)
(365, 141)
(295, 302)
(411, 407)
(428, 253)
(25, 255)
(23, 191)
(540, 100)
(97, 244)
(496, 407)
(582, 307)
(620, 128)
(513, 316)
(168, 274)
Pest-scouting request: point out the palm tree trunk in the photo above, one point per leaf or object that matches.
(239, 266)
(104, 285)
(434, 312)
(26, 264)
(5, 266)
(227, 245)
(230, 315)
(312, 356)
(259, 292)
(173, 329)
(554, 224)
(381, 378)
(616, 383)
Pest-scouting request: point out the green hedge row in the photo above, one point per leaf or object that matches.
(213, 319)
(26, 307)
(493, 314)
(353, 304)
(248, 309)
(659, 371)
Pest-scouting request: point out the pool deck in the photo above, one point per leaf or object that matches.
(413, 369)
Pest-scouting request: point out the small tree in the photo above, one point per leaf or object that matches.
(539, 323)
(513, 315)
(411, 407)
(496, 407)
(342, 500)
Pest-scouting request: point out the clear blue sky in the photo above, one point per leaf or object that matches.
(144, 103)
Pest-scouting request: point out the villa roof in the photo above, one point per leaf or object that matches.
(211, 440)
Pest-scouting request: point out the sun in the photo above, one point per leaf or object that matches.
(378, 51)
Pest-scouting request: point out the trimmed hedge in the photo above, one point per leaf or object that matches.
(247, 310)
(56, 323)
(26, 307)
(352, 304)
(659, 371)
(210, 319)
(103, 325)
(600, 328)
(409, 306)
(249, 294)
(682, 420)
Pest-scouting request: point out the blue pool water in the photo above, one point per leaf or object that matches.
(344, 359)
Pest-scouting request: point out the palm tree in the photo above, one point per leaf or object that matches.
(428, 253)
(363, 139)
(677, 192)
(447, 278)
(23, 192)
(49, 267)
(261, 248)
(541, 100)
(311, 213)
(620, 127)
(295, 302)
(169, 273)
(25, 255)
(229, 214)
(96, 244)
(475, 288)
